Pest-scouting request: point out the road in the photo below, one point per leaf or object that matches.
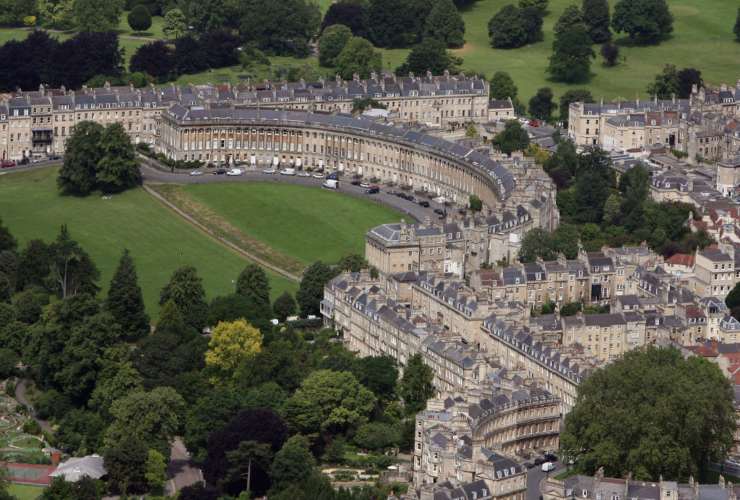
(21, 390)
(180, 471)
(412, 209)
(535, 477)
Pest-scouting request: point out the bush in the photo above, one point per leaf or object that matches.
(139, 19)
(31, 427)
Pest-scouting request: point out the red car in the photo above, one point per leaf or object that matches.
(7, 163)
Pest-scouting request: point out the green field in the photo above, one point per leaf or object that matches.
(159, 240)
(305, 223)
(25, 492)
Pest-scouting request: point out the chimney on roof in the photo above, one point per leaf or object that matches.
(106, 84)
(429, 75)
(447, 75)
(355, 77)
(41, 89)
(673, 98)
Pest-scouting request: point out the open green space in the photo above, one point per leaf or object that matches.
(25, 492)
(305, 223)
(159, 240)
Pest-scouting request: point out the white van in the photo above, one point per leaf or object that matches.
(548, 467)
(287, 171)
(330, 184)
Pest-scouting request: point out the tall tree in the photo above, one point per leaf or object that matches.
(125, 461)
(186, 291)
(248, 456)
(231, 344)
(93, 15)
(7, 240)
(645, 21)
(284, 27)
(293, 463)
(118, 168)
(571, 55)
(652, 413)
(125, 300)
(570, 17)
(537, 243)
(397, 24)
(311, 290)
(139, 19)
(358, 57)
(253, 284)
(33, 265)
(541, 105)
(736, 28)
(81, 157)
(156, 472)
(512, 138)
(512, 27)
(156, 59)
(350, 13)
(284, 306)
(444, 23)
(610, 53)
(175, 24)
(666, 84)
(687, 78)
(429, 55)
(332, 41)
(571, 96)
(502, 86)
(71, 270)
(416, 385)
(596, 16)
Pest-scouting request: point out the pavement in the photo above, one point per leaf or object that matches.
(180, 471)
(535, 476)
(21, 390)
(412, 209)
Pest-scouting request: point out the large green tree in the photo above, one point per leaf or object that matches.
(653, 414)
(81, 157)
(139, 19)
(175, 24)
(7, 240)
(444, 23)
(254, 285)
(311, 290)
(293, 463)
(284, 28)
(125, 300)
(93, 15)
(332, 41)
(71, 270)
(358, 57)
(185, 290)
(513, 27)
(571, 55)
(596, 16)
(645, 21)
(570, 17)
(416, 385)
(502, 86)
(512, 138)
(541, 105)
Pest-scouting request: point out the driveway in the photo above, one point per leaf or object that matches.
(535, 476)
(180, 471)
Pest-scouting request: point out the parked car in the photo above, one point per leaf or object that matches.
(318, 175)
(424, 203)
(7, 164)
(439, 211)
(54, 157)
(235, 172)
(270, 171)
(330, 184)
(372, 190)
(355, 182)
(220, 171)
(303, 173)
(550, 456)
(539, 461)
(548, 467)
(196, 172)
(287, 171)
(365, 185)
(410, 198)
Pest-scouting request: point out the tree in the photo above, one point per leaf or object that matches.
(8, 362)
(125, 461)
(85, 488)
(189, 55)
(596, 17)
(352, 263)
(125, 300)
(393, 24)
(349, 13)
(185, 289)
(667, 83)
(199, 491)
(565, 240)
(153, 417)
(156, 472)
(540, 5)
(253, 284)
(93, 15)
(430, 55)
(610, 53)
(502, 86)
(594, 180)
(541, 105)
(118, 168)
(358, 57)
(116, 381)
(328, 401)
(736, 28)
(571, 55)
(612, 209)
(220, 48)
(570, 17)
(416, 386)
(139, 19)
(379, 374)
(332, 41)
(247, 456)
(475, 203)
(293, 463)
(260, 426)
(33, 265)
(512, 138)
(645, 21)
(311, 290)
(571, 96)
(71, 271)
(232, 343)
(687, 78)
(7, 240)
(377, 436)
(536, 243)
(284, 306)
(284, 28)
(81, 157)
(175, 24)
(156, 59)
(513, 27)
(445, 24)
(652, 413)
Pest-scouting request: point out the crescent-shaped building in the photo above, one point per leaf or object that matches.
(232, 134)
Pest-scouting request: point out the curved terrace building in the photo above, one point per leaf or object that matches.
(232, 134)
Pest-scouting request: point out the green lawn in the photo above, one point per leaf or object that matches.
(159, 241)
(306, 223)
(25, 492)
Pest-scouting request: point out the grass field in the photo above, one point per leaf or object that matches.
(159, 240)
(304, 223)
(25, 492)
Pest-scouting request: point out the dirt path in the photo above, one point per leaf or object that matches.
(193, 222)
(21, 390)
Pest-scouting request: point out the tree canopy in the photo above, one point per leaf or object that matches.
(652, 413)
(445, 24)
(416, 384)
(358, 57)
(571, 55)
(596, 17)
(513, 27)
(231, 344)
(185, 290)
(332, 41)
(645, 21)
(512, 138)
(125, 301)
(429, 55)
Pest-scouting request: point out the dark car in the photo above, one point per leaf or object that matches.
(539, 461)
(220, 171)
(528, 465)
(7, 164)
(424, 203)
(439, 211)
(410, 198)
(355, 182)
(551, 457)
(372, 190)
